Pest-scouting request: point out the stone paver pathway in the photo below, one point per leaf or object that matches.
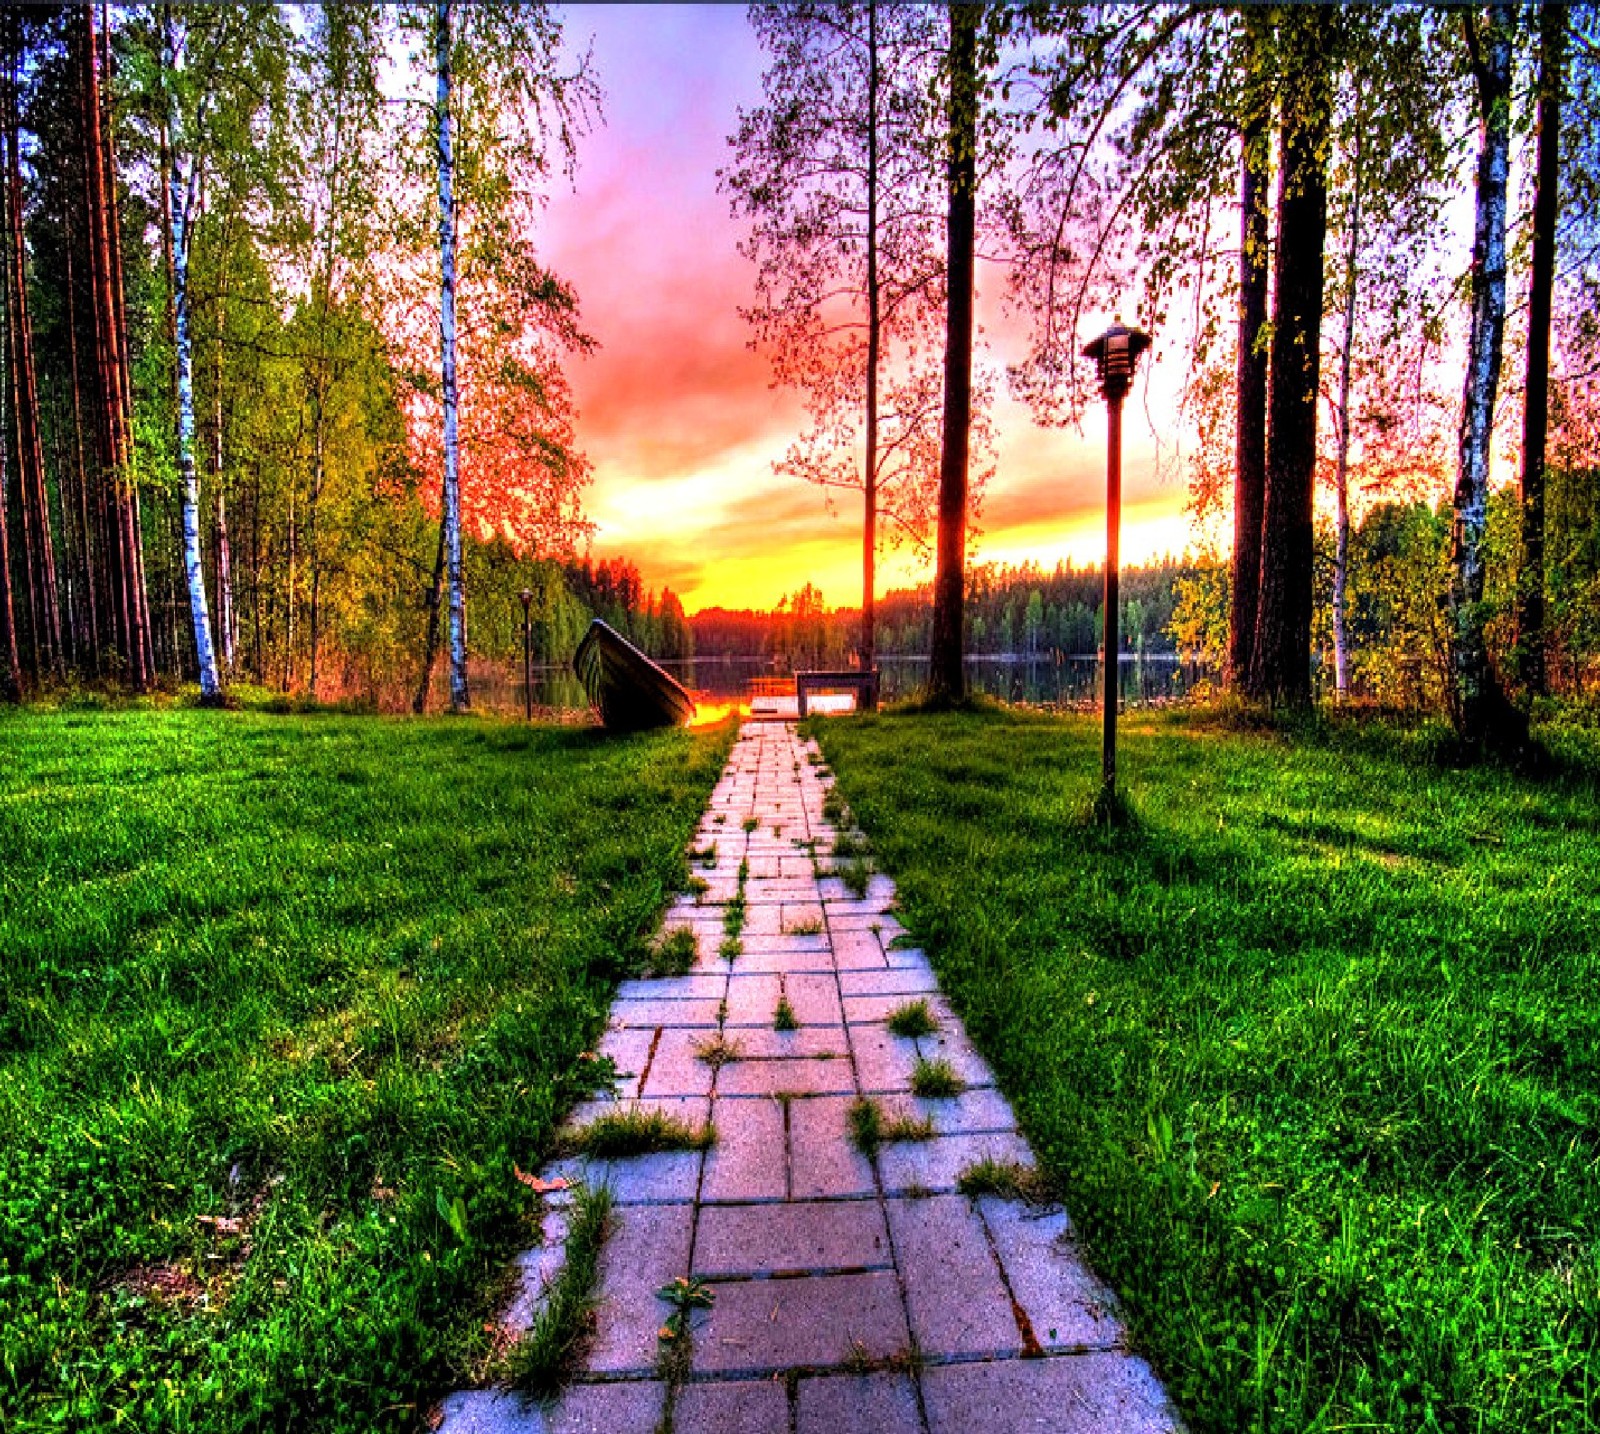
(853, 1294)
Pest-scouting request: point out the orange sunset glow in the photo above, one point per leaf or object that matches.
(679, 415)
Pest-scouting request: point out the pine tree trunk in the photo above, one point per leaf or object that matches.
(1536, 397)
(459, 697)
(947, 678)
(1475, 690)
(90, 595)
(869, 545)
(30, 445)
(182, 199)
(1341, 475)
(1250, 382)
(11, 673)
(1281, 664)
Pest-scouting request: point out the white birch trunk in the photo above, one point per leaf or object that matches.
(1469, 650)
(451, 516)
(183, 196)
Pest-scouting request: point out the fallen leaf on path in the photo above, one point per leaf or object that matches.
(538, 1185)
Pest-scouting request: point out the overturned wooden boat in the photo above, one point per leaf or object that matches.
(627, 689)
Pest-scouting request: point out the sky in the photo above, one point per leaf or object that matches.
(679, 415)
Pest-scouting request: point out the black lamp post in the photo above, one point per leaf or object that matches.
(527, 655)
(1116, 355)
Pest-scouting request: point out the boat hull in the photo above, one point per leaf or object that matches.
(629, 691)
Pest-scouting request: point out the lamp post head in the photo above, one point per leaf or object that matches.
(527, 597)
(1116, 355)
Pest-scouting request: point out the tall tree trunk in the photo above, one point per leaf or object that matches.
(30, 445)
(430, 640)
(90, 596)
(1281, 664)
(129, 611)
(1475, 689)
(311, 542)
(182, 210)
(947, 678)
(459, 698)
(1341, 475)
(1536, 399)
(869, 544)
(1250, 382)
(11, 671)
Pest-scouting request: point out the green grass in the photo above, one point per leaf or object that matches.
(282, 1000)
(870, 1128)
(547, 1353)
(783, 1016)
(617, 1135)
(1005, 1178)
(1310, 1045)
(912, 1019)
(935, 1080)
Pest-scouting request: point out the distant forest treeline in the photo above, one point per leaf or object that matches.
(1026, 611)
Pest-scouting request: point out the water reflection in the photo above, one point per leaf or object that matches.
(1069, 682)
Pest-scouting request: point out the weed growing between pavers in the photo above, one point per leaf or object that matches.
(673, 954)
(1312, 1052)
(733, 916)
(935, 1080)
(1008, 1179)
(870, 1128)
(913, 1019)
(697, 886)
(618, 1134)
(543, 1358)
(805, 926)
(717, 1051)
(706, 856)
(783, 1016)
(751, 823)
(340, 966)
(675, 1347)
(856, 875)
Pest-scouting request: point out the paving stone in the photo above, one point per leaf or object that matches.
(859, 1404)
(809, 1236)
(675, 988)
(749, 1160)
(758, 1406)
(771, 954)
(815, 1321)
(863, 1010)
(958, 1302)
(815, 999)
(823, 1164)
(952, 1045)
(858, 951)
(907, 982)
(648, 1248)
(1067, 1307)
(671, 1177)
(764, 1043)
(581, 1409)
(883, 1062)
(629, 1052)
(981, 1109)
(775, 891)
(536, 1270)
(752, 998)
(907, 958)
(1069, 1394)
(676, 1068)
(651, 1014)
(813, 1075)
(934, 1166)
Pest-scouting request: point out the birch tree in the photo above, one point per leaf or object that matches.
(838, 176)
(1476, 698)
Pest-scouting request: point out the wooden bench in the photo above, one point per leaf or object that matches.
(863, 684)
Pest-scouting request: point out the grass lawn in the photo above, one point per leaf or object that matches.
(1312, 1050)
(282, 1000)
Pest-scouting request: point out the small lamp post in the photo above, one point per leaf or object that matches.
(1116, 355)
(527, 655)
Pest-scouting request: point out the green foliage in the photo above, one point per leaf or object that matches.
(783, 1016)
(285, 1002)
(935, 1079)
(673, 954)
(1311, 1052)
(912, 1020)
(617, 1135)
(1005, 1178)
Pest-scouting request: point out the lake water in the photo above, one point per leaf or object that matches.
(1071, 682)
